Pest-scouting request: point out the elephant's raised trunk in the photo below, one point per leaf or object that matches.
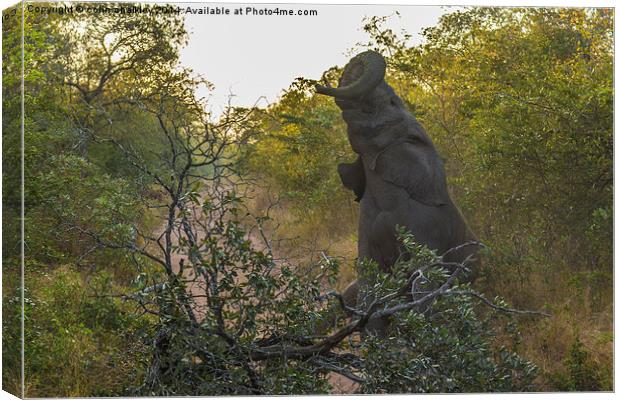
(373, 73)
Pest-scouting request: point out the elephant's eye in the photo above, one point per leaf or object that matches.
(392, 102)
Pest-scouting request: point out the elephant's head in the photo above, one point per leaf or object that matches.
(387, 137)
(366, 100)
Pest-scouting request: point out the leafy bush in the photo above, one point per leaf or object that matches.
(257, 332)
(449, 348)
(73, 332)
(448, 344)
(583, 372)
(240, 302)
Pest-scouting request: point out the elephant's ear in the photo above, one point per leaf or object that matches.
(352, 177)
(417, 168)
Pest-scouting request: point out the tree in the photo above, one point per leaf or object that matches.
(520, 99)
(70, 188)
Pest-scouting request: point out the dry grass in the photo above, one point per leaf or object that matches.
(582, 309)
(304, 238)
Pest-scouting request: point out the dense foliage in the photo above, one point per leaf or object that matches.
(77, 328)
(259, 336)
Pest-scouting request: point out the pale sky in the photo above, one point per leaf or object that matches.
(259, 56)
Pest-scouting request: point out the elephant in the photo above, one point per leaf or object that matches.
(398, 177)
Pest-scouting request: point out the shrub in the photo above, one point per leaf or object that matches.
(583, 372)
(257, 332)
(447, 349)
(76, 334)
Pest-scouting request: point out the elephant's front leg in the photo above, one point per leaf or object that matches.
(377, 244)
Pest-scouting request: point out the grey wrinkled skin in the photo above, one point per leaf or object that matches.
(398, 179)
